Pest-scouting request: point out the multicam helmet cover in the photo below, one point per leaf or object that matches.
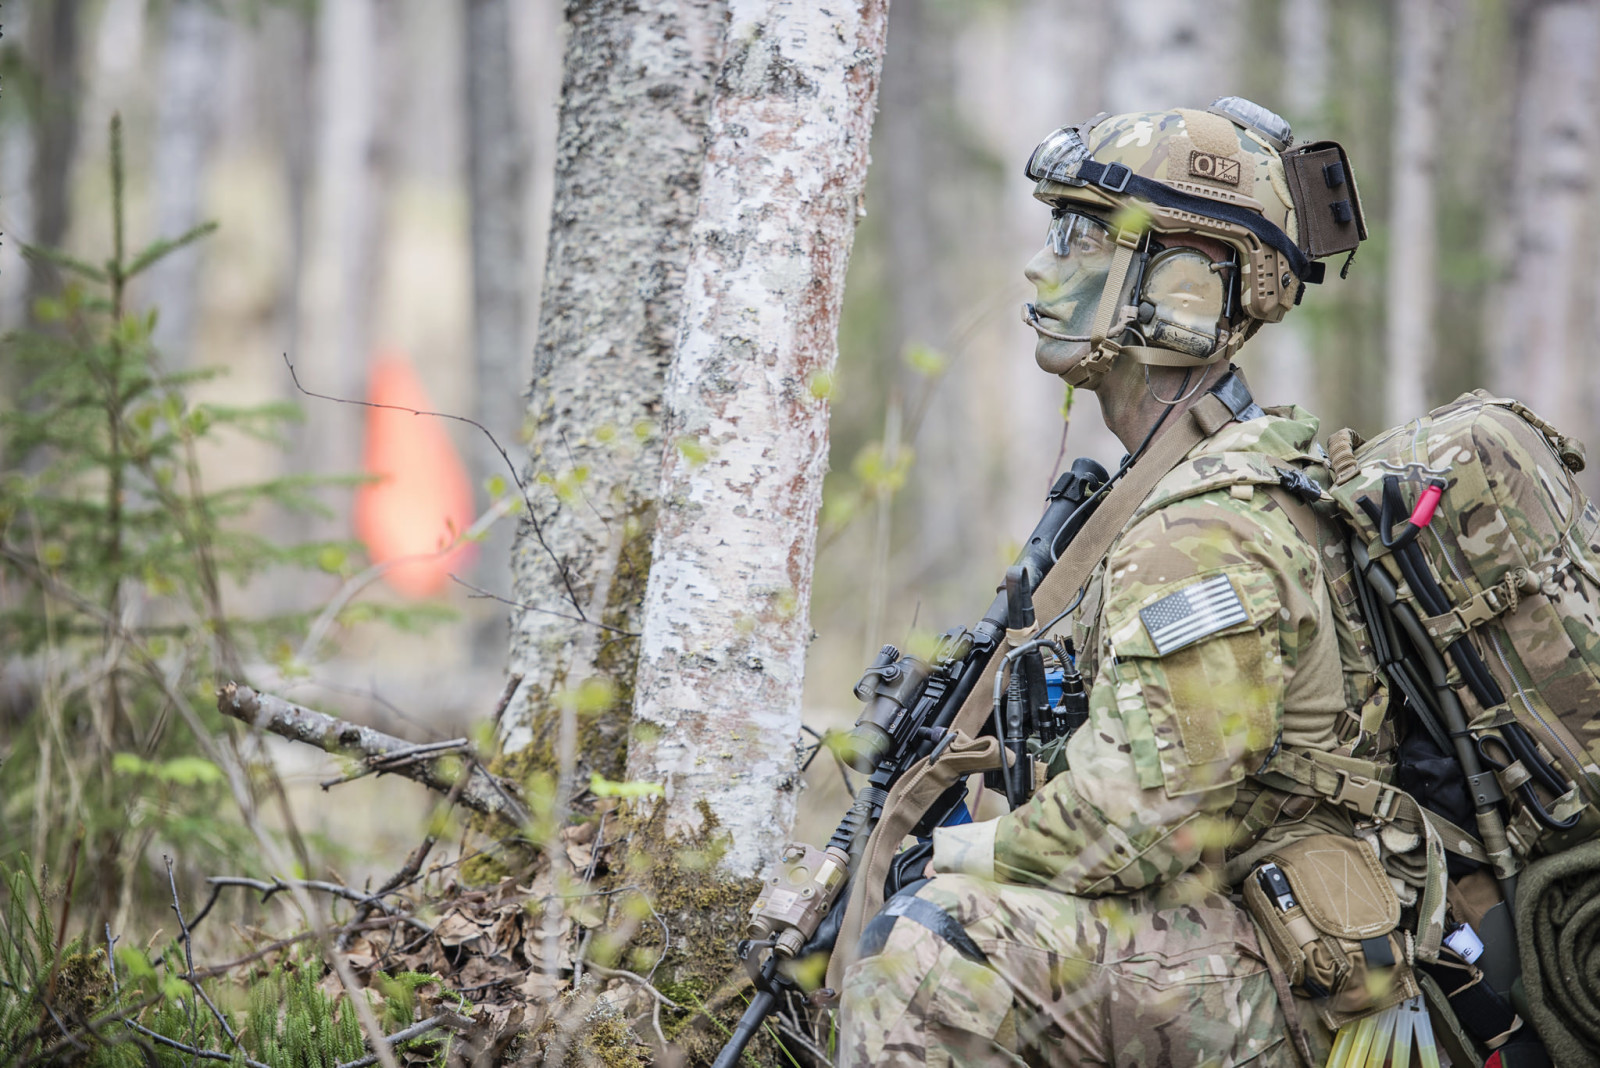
(1225, 172)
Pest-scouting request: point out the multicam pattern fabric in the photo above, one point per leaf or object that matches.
(1152, 774)
(1510, 505)
(1084, 898)
(1171, 978)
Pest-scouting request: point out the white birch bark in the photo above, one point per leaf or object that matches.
(192, 58)
(1420, 48)
(726, 618)
(629, 151)
(1543, 335)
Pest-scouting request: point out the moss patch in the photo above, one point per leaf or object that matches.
(704, 912)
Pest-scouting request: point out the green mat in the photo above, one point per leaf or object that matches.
(1558, 936)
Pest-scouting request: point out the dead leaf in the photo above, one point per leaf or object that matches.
(457, 930)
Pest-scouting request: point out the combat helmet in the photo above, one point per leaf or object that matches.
(1227, 172)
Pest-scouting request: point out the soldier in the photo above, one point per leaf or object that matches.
(1235, 708)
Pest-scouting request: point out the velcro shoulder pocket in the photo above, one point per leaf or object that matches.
(1201, 681)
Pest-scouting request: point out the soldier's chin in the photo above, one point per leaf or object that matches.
(1058, 357)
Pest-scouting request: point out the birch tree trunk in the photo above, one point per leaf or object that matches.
(1421, 47)
(1542, 338)
(192, 65)
(726, 616)
(635, 97)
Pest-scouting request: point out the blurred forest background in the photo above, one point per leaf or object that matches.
(380, 172)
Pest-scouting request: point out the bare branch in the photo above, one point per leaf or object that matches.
(483, 593)
(452, 1020)
(527, 502)
(505, 699)
(483, 791)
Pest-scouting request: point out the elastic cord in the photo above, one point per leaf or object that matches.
(1182, 396)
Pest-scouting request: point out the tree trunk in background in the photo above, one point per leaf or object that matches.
(1420, 49)
(1042, 94)
(1279, 358)
(356, 71)
(192, 65)
(1545, 312)
(54, 53)
(726, 617)
(497, 177)
(630, 147)
(16, 196)
(1171, 53)
(918, 163)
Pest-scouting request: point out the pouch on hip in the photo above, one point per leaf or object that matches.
(1332, 919)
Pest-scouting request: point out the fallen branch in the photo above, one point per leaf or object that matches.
(482, 792)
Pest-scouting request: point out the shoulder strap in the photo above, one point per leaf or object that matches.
(1063, 581)
(1219, 407)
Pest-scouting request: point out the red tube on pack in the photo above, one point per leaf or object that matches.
(1422, 515)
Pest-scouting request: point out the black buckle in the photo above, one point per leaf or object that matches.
(1114, 172)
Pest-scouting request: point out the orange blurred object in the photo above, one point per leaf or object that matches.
(422, 499)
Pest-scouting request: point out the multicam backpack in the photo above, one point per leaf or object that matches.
(1478, 564)
(1484, 554)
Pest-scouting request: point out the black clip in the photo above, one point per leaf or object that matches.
(1300, 485)
(1114, 172)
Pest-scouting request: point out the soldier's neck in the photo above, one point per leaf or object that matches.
(1131, 407)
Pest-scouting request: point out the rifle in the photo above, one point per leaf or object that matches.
(910, 704)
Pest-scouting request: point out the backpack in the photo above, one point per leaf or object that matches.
(1477, 564)
(1481, 559)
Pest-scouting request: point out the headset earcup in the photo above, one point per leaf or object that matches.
(1181, 300)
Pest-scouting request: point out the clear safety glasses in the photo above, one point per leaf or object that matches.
(1082, 237)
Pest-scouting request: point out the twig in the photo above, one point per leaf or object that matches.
(527, 502)
(347, 592)
(383, 762)
(188, 957)
(267, 889)
(452, 1020)
(483, 792)
(413, 863)
(482, 594)
(804, 1040)
(284, 943)
(194, 1051)
(505, 700)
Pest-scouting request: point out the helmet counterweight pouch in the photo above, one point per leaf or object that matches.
(1327, 205)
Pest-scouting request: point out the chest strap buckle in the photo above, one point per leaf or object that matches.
(1369, 797)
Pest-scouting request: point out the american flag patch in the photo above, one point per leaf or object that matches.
(1192, 613)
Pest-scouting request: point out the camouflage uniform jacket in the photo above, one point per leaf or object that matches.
(1219, 639)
